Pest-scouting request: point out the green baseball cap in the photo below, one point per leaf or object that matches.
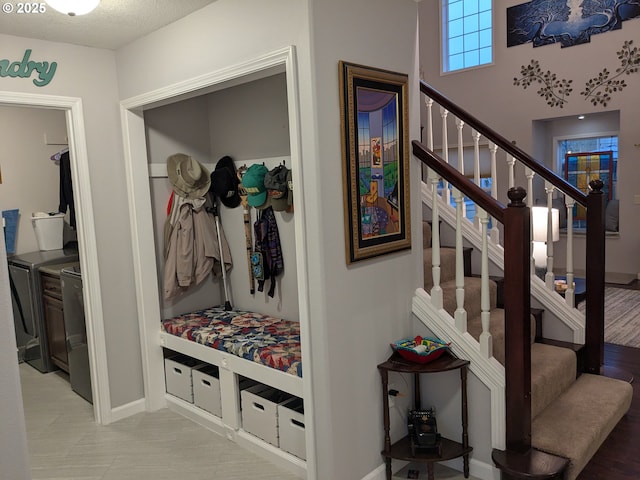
(253, 183)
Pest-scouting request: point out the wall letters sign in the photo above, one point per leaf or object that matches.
(25, 68)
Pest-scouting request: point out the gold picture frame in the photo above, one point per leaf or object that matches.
(374, 121)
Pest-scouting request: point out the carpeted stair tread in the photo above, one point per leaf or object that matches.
(496, 327)
(472, 302)
(447, 266)
(576, 423)
(553, 371)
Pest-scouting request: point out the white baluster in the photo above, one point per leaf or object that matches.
(549, 277)
(486, 340)
(569, 295)
(476, 165)
(495, 232)
(460, 125)
(436, 290)
(429, 104)
(511, 162)
(530, 174)
(460, 315)
(444, 113)
(476, 156)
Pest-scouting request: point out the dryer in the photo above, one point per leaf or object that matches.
(26, 297)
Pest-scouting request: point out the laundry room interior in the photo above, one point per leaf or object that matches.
(39, 218)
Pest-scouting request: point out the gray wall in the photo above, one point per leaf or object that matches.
(14, 456)
(30, 180)
(247, 122)
(90, 74)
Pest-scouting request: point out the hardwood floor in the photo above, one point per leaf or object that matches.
(617, 458)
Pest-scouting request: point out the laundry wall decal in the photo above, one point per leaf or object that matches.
(26, 68)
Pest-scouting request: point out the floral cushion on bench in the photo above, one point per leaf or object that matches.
(267, 340)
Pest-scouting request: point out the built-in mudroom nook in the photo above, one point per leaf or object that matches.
(221, 185)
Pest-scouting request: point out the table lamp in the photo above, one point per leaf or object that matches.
(540, 223)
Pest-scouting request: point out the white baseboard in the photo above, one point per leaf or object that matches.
(124, 411)
(484, 471)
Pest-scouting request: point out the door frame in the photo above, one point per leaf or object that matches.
(87, 245)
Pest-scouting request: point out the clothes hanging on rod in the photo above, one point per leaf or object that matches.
(66, 188)
(56, 156)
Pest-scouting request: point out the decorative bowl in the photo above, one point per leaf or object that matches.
(419, 349)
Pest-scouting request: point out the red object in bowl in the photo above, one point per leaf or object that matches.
(435, 349)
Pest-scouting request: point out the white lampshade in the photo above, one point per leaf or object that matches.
(73, 7)
(540, 220)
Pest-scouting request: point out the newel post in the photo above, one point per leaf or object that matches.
(595, 269)
(517, 305)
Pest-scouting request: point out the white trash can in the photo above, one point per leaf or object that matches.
(48, 230)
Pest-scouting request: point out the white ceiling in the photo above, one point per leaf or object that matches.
(113, 24)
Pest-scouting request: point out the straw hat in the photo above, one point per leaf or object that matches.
(189, 178)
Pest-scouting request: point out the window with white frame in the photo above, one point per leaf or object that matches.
(467, 38)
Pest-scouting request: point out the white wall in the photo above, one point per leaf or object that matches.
(489, 94)
(354, 312)
(250, 122)
(181, 127)
(14, 456)
(247, 122)
(30, 180)
(89, 74)
(367, 305)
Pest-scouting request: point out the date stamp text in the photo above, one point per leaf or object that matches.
(24, 8)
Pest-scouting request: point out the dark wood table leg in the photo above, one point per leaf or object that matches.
(385, 413)
(465, 419)
(430, 471)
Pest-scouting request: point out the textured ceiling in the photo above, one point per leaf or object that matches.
(113, 24)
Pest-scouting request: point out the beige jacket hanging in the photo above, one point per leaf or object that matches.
(192, 250)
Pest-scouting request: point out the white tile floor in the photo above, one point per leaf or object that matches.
(66, 444)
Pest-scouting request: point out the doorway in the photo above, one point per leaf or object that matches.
(85, 229)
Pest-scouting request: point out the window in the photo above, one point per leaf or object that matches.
(470, 206)
(466, 34)
(583, 159)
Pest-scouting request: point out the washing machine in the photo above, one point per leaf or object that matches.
(28, 309)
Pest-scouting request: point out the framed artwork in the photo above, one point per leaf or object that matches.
(581, 168)
(375, 154)
(569, 22)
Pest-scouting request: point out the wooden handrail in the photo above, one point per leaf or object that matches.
(504, 144)
(459, 181)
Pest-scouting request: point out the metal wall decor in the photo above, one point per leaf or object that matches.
(553, 90)
(598, 90)
(568, 22)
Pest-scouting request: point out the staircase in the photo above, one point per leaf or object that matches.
(563, 400)
(557, 411)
